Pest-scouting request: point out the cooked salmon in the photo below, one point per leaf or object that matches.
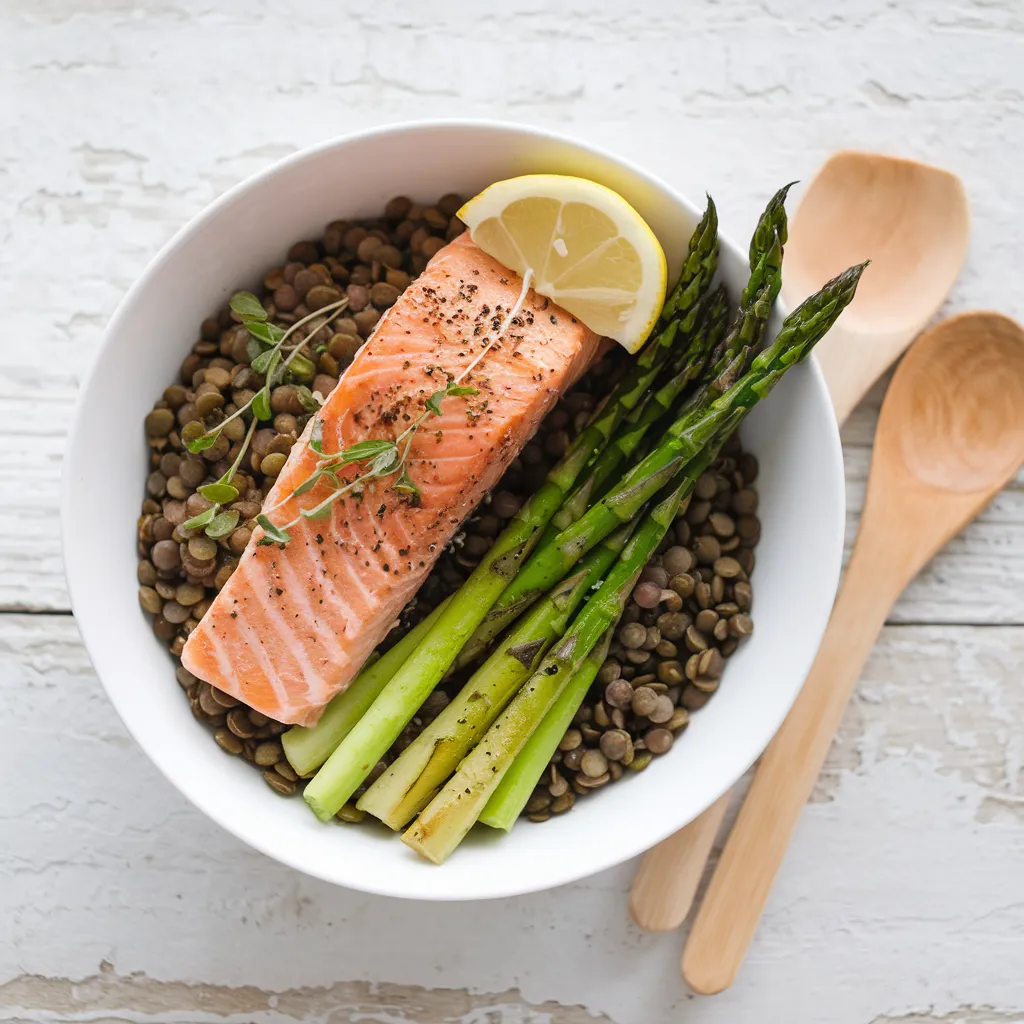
(294, 623)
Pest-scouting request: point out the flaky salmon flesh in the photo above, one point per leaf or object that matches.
(294, 623)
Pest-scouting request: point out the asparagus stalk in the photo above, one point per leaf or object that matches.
(631, 433)
(730, 356)
(624, 445)
(395, 706)
(694, 277)
(516, 786)
(700, 421)
(426, 764)
(451, 814)
(309, 747)
(507, 801)
(772, 222)
(759, 294)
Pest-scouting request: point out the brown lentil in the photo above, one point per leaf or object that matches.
(593, 764)
(658, 741)
(268, 753)
(705, 620)
(563, 803)
(741, 625)
(228, 741)
(279, 783)
(647, 595)
(571, 740)
(644, 701)
(619, 693)
(632, 635)
(572, 759)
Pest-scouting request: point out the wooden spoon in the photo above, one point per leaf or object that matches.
(950, 435)
(911, 220)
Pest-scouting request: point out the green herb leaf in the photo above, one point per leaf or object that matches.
(266, 362)
(261, 405)
(433, 403)
(269, 334)
(276, 372)
(461, 389)
(219, 492)
(319, 512)
(406, 486)
(308, 484)
(253, 348)
(203, 519)
(245, 304)
(223, 524)
(274, 534)
(301, 368)
(316, 436)
(306, 399)
(201, 443)
(385, 463)
(363, 450)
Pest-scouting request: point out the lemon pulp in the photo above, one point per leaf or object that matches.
(587, 248)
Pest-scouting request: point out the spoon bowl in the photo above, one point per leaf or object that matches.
(960, 438)
(950, 435)
(911, 220)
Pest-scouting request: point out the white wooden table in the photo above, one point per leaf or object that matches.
(903, 896)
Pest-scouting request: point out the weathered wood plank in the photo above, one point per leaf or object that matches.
(911, 847)
(901, 900)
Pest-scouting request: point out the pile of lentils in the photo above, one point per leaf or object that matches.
(687, 615)
(688, 612)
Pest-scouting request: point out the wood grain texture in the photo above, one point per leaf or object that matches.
(901, 899)
(911, 221)
(670, 873)
(951, 432)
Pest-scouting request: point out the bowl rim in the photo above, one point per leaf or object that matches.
(437, 892)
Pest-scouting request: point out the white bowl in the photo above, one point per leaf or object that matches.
(229, 246)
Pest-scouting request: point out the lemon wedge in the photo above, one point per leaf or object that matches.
(586, 248)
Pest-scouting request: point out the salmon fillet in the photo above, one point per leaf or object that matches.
(295, 623)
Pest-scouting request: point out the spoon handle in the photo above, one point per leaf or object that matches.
(785, 777)
(850, 366)
(670, 872)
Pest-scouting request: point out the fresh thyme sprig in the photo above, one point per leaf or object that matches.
(381, 456)
(213, 521)
(268, 341)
